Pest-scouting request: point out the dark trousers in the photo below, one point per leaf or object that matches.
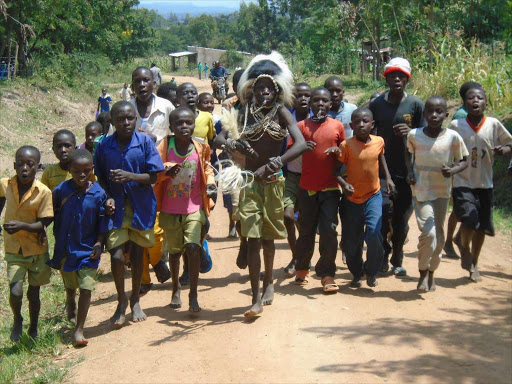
(363, 224)
(399, 209)
(318, 211)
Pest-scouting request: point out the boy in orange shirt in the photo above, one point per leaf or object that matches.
(363, 155)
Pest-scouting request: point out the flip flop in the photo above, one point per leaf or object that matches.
(206, 259)
(329, 285)
(301, 278)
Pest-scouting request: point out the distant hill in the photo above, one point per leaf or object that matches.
(181, 9)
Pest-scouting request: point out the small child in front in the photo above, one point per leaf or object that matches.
(64, 142)
(92, 131)
(363, 156)
(80, 229)
(126, 164)
(28, 211)
(484, 137)
(184, 199)
(436, 154)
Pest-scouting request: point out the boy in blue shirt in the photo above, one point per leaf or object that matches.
(80, 226)
(126, 164)
(103, 102)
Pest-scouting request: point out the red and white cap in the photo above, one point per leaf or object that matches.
(398, 64)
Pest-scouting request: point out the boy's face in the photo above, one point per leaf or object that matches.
(206, 104)
(337, 92)
(303, 96)
(81, 170)
(124, 121)
(396, 80)
(62, 147)
(435, 113)
(26, 166)
(362, 124)
(264, 91)
(103, 92)
(91, 132)
(142, 81)
(187, 96)
(183, 125)
(173, 98)
(475, 102)
(320, 103)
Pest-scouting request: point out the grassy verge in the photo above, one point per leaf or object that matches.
(35, 361)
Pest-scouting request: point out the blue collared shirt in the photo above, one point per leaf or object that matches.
(79, 219)
(140, 156)
(345, 116)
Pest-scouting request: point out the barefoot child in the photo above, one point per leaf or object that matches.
(319, 193)
(301, 111)
(363, 156)
(92, 131)
(126, 164)
(184, 199)
(437, 154)
(484, 137)
(80, 227)
(28, 210)
(264, 89)
(64, 142)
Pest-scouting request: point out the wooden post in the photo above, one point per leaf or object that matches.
(16, 60)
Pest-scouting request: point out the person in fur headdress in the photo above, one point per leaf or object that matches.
(263, 123)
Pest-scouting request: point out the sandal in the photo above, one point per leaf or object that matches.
(329, 285)
(301, 278)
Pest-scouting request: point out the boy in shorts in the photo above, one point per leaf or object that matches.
(484, 137)
(28, 211)
(64, 142)
(80, 227)
(126, 164)
(184, 193)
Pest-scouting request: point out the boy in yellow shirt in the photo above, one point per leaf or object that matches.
(64, 142)
(28, 210)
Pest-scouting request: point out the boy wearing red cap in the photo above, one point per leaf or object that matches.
(395, 113)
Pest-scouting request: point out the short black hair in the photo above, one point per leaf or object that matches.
(437, 98)
(184, 85)
(303, 85)
(331, 79)
(201, 95)
(464, 88)
(29, 148)
(119, 105)
(177, 111)
(475, 89)
(142, 68)
(78, 154)
(64, 132)
(361, 110)
(320, 89)
(95, 124)
(165, 88)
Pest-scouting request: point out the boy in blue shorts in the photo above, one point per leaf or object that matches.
(126, 164)
(80, 227)
(28, 212)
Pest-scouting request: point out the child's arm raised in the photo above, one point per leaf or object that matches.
(384, 168)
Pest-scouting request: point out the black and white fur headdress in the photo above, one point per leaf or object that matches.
(273, 66)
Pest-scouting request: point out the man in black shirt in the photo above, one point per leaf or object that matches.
(395, 114)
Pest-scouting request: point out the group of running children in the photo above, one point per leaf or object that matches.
(142, 185)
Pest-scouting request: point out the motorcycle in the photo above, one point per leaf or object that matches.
(219, 88)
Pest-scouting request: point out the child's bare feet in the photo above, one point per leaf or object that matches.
(422, 282)
(17, 330)
(474, 274)
(371, 281)
(356, 282)
(255, 310)
(137, 313)
(176, 300)
(193, 304)
(268, 295)
(119, 315)
(78, 339)
(431, 281)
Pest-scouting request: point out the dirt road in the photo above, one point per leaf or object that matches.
(462, 333)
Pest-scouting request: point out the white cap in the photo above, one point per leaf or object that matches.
(398, 64)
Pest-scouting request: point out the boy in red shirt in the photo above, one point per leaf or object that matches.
(319, 193)
(363, 155)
